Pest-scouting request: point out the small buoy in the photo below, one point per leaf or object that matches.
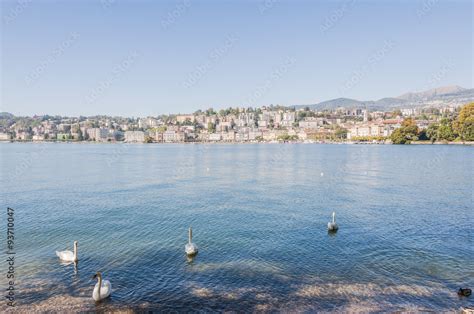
(464, 292)
(322, 174)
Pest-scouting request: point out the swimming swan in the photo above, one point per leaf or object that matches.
(68, 256)
(102, 289)
(191, 248)
(332, 225)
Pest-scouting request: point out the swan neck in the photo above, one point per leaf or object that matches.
(333, 217)
(99, 278)
(75, 251)
(190, 235)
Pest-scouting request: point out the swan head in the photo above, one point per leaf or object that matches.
(97, 275)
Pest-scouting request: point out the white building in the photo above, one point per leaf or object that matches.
(288, 118)
(228, 136)
(171, 136)
(148, 123)
(135, 136)
(215, 137)
(407, 112)
(38, 137)
(366, 130)
(97, 134)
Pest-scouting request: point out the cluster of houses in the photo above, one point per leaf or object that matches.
(231, 125)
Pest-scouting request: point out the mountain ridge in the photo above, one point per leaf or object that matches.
(447, 94)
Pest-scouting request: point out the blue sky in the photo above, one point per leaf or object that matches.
(143, 58)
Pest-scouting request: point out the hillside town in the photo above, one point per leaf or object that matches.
(232, 125)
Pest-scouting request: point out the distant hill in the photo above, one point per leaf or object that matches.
(446, 94)
(339, 102)
(6, 115)
(416, 96)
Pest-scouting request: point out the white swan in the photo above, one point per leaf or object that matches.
(190, 248)
(68, 256)
(102, 288)
(332, 225)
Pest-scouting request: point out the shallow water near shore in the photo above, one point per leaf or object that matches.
(259, 215)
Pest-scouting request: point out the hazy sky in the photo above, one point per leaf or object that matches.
(139, 58)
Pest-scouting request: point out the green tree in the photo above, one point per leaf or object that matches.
(80, 137)
(406, 133)
(211, 127)
(398, 137)
(340, 133)
(422, 135)
(286, 137)
(432, 132)
(210, 112)
(271, 124)
(445, 130)
(148, 139)
(397, 112)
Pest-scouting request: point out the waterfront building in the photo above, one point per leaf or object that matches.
(38, 137)
(157, 136)
(135, 136)
(203, 136)
(97, 134)
(366, 130)
(4, 137)
(311, 123)
(215, 137)
(169, 136)
(22, 135)
(228, 136)
(241, 137)
(288, 118)
(173, 136)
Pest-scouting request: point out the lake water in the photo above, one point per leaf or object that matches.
(259, 215)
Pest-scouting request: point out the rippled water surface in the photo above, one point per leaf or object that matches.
(259, 216)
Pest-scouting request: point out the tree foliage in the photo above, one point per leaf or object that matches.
(286, 137)
(211, 127)
(464, 124)
(406, 133)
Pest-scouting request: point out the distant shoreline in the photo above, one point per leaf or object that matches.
(466, 143)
